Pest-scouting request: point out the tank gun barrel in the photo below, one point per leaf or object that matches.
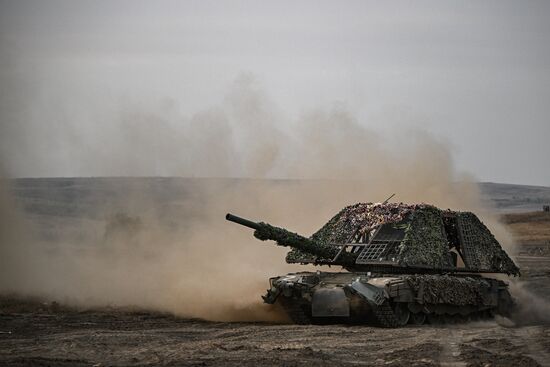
(243, 222)
(265, 231)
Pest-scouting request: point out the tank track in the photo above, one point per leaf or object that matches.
(384, 315)
(295, 311)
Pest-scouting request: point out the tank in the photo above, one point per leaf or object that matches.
(399, 263)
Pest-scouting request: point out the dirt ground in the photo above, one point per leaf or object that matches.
(39, 334)
(51, 337)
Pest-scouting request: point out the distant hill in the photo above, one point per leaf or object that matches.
(514, 198)
(82, 208)
(74, 196)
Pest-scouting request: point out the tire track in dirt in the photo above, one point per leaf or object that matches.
(450, 355)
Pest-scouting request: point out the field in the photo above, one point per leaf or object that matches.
(45, 333)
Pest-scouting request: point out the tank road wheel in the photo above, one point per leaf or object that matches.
(435, 319)
(295, 311)
(417, 318)
(458, 318)
(384, 315)
(402, 313)
(391, 315)
(450, 319)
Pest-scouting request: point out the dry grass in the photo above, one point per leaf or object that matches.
(529, 228)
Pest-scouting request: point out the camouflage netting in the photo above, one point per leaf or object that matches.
(355, 220)
(295, 256)
(425, 243)
(452, 290)
(483, 251)
(360, 218)
(294, 240)
(351, 221)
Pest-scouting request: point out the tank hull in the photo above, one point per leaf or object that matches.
(388, 300)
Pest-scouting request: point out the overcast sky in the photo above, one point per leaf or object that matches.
(474, 74)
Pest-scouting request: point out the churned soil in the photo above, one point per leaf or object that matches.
(55, 336)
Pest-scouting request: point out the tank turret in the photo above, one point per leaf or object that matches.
(394, 237)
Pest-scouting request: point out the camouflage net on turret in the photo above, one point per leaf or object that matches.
(425, 243)
(485, 250)
(359, 218)
(353, 221)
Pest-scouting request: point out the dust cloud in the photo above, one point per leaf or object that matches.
(186, 259)
(531, 308)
